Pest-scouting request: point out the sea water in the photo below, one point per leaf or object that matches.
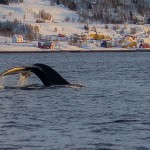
(111, 111)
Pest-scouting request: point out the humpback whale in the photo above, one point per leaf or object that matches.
(47, 75)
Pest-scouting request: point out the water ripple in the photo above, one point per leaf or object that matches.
(110, 113)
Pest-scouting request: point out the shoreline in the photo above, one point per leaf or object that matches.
(75, 51)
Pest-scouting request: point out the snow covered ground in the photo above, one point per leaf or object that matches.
(26, 13)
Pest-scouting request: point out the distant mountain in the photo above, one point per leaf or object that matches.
(37, 18)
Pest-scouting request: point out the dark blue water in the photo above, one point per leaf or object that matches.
(112, 111)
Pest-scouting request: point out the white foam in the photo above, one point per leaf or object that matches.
(22, 80)
(2, 82)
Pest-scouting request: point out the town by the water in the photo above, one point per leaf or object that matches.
(53, 27)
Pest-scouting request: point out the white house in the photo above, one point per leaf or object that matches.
(17, 38)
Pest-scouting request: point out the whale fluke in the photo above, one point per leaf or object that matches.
(46, 74)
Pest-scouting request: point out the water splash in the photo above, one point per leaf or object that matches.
(22, 80)
(2, 82)
(75, 86)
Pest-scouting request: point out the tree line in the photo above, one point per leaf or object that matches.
(10, 28)
(6, 2)
(108, 11)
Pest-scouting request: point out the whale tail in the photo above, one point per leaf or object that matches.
(46, 74)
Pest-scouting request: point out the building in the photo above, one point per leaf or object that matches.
(17, 38)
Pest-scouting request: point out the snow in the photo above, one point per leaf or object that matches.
(59, 14)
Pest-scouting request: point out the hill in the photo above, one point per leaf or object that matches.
(110, 11)
(28, 12)
(38, 19)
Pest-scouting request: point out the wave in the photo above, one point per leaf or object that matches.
(38, 86)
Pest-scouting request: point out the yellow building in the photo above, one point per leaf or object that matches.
(97, 36)
(129, 45)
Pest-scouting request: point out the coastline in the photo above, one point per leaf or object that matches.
(64, 48)
(74, 51)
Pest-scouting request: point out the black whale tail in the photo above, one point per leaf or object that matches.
(46, 74)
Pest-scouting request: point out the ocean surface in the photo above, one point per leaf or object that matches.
(111, 111)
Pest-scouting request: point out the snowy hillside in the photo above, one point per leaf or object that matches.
(65, 20)
(110, 11)
(62, 20)
(25, 12)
